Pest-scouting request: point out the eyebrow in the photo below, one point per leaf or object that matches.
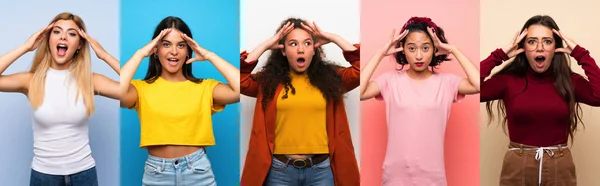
(164, 40)
(542, 38)
(415, 43)
(67, 29)
(307, 39)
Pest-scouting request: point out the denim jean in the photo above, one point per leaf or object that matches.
(193, 169)
(283, 174)
(84, 178)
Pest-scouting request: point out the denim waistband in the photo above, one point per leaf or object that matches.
(174, 163)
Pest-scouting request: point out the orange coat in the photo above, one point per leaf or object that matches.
(260, 150)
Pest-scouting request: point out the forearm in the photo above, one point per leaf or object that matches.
(343, 44)
(112, 62)
(127, 72)
(469, 68)
(258, 51)
(230, 72)
(7, 59)
(367, 71)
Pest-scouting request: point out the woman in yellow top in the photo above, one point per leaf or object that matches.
(175, 107)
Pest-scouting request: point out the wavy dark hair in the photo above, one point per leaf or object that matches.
(154, 67)
(422, 27)
(321, 73)
(559, 67)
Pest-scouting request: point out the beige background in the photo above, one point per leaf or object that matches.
(579, 20)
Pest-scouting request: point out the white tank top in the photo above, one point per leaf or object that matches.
(61, 128)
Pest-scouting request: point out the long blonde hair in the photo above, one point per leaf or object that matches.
(80, 68)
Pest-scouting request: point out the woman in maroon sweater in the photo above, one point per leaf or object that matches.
(538, 97)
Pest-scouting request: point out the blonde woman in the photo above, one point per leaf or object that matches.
(60, 87)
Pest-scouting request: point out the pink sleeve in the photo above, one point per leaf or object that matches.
(454, 82)
(382, 83)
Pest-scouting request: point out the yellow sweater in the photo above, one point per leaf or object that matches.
(301, 120)
(176, 113)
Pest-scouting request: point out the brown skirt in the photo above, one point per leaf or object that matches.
(520, 167)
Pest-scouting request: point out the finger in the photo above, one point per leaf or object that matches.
(82, 34)
(289, 29)
(307, 27)
(392, 36)
(436, 40)
(162, 34)
(190, 60)
(50, 26)
(318, 44)
(188, 39)
(40, 34)
(556, 32)
(402, 35)
(317, 27)
(399, 49)
(433, 36)
(518, 51)
(521, 36)
(562, 50)
(284, 28)
(514, 39)
(279, 46)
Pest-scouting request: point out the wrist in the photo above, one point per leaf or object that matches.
(22, 49)
(209, 56)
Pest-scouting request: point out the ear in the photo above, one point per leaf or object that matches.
(282, 52)
(154, 50)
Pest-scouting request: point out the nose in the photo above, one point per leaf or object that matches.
(419, 55)
(174, 51)
(63, 36)
(301, 49)
(539, 47)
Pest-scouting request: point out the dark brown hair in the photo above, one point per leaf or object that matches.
(559, 68)
(321, 73)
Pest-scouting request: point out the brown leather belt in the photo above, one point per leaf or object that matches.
(298, 163)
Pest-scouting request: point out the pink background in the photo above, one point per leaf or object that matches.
(460, 21)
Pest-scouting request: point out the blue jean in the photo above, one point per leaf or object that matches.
(193, 169)
(283, 174)
(83, 178)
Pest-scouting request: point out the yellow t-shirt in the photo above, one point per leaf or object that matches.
(301, 120)
(176, 113)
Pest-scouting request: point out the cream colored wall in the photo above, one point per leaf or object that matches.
(579, 20)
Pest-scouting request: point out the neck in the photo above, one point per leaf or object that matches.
(419, 75)
(54, 65)
(173, 77)
(293, 72)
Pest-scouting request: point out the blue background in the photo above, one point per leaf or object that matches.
(215, 26)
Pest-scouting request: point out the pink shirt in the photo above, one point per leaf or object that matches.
(417, 112)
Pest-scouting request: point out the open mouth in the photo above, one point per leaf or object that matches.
(419, 64)
(301, 62)
(61, 49)
(539, 61)
(172, 61)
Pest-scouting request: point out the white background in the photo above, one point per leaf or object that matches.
(259, 21)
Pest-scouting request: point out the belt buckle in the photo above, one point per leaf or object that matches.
(299, 163)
